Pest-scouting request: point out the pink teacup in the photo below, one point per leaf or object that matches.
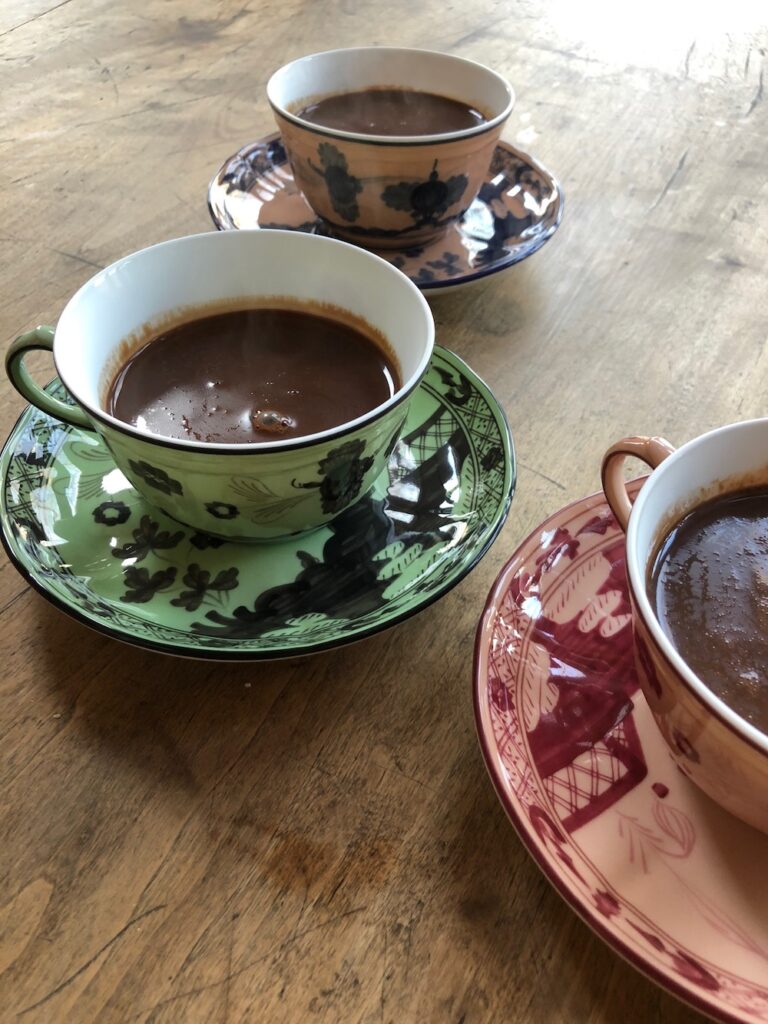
(721, 752)
(388, 191)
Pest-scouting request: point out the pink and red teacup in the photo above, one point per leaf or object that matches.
(726, 756)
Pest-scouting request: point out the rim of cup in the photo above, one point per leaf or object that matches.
(277, 82)
(637, 575)
(102, 278)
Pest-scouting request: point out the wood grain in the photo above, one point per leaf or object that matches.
(317, 839)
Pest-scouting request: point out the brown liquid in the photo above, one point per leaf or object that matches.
(392, 112)
(709, 585)
(252, 375)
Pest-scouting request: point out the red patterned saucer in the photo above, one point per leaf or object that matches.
(662, 874)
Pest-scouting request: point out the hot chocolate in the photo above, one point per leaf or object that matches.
(254, 375)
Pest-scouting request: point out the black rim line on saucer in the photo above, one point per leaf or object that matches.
(278, 654)
(223, 222)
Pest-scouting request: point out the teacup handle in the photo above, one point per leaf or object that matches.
(652, 450)
(40, 338)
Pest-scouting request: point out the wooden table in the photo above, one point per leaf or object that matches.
(317, 839)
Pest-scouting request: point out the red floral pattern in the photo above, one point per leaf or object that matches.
(556, 694)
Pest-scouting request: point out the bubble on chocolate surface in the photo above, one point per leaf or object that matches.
(271, 421)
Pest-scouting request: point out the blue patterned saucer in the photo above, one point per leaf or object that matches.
(80, 534)
(518, 209)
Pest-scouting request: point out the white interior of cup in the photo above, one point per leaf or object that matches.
(682, 481)
(187, 273)
(339, 71)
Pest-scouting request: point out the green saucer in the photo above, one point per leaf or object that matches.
(81, 535)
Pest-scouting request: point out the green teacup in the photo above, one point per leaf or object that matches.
(254, 491)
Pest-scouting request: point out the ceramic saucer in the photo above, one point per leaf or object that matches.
(670, 881)
(518, 209)
(80, 534)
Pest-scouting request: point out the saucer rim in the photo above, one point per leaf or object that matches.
(279, 654)
(618, 945)
(433, 286)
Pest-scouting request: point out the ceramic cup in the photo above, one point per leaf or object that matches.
(387, 191)
(723, 754)
(238, 491)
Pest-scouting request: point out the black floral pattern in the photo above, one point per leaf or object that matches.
(342, 471)
(112, 513)
(140, 587)
(426, 201)
(492, 458)
(222, 510)
(346, 580)
(448, 264)
(253, 163)
(203, 541)
(458, 389)
(343, 187)
(198, 582)
(148, 538)
(155, 477)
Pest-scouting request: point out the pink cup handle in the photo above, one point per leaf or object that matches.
(652, 450)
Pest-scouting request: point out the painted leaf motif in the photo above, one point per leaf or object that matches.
(569, 602)
(614, 624)
(598, 608)
(309, 620)
(398, 197)
(418, 567)
(267, 514)
(725, 925)
(454, 188)
(255, 490)
(506, 663)
(390, 551)
(397, 565)
(538, 694)
(677, 826)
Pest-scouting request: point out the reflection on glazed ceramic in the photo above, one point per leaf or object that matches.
(666, 877)
(78, 530)
(517, 210)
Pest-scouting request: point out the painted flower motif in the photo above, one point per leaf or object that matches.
(606, 903)
(504, 162)
(244, 171)
(112, 513)
(203, 541)
(343, 187)
(448, 264)
(222, 510)
(694, 971)
(198, 582)
(492, 458)
(155, 477)
(458, 389)
(140, 587)
(422, 276)
(342, 470)
(148, 538)
(426, 201)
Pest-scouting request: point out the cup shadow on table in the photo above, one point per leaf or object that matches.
(508, 909)
(159, 712)
(142, 706)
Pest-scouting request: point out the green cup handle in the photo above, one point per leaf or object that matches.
(40, 338)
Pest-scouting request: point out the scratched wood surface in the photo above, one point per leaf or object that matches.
(317, 839)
